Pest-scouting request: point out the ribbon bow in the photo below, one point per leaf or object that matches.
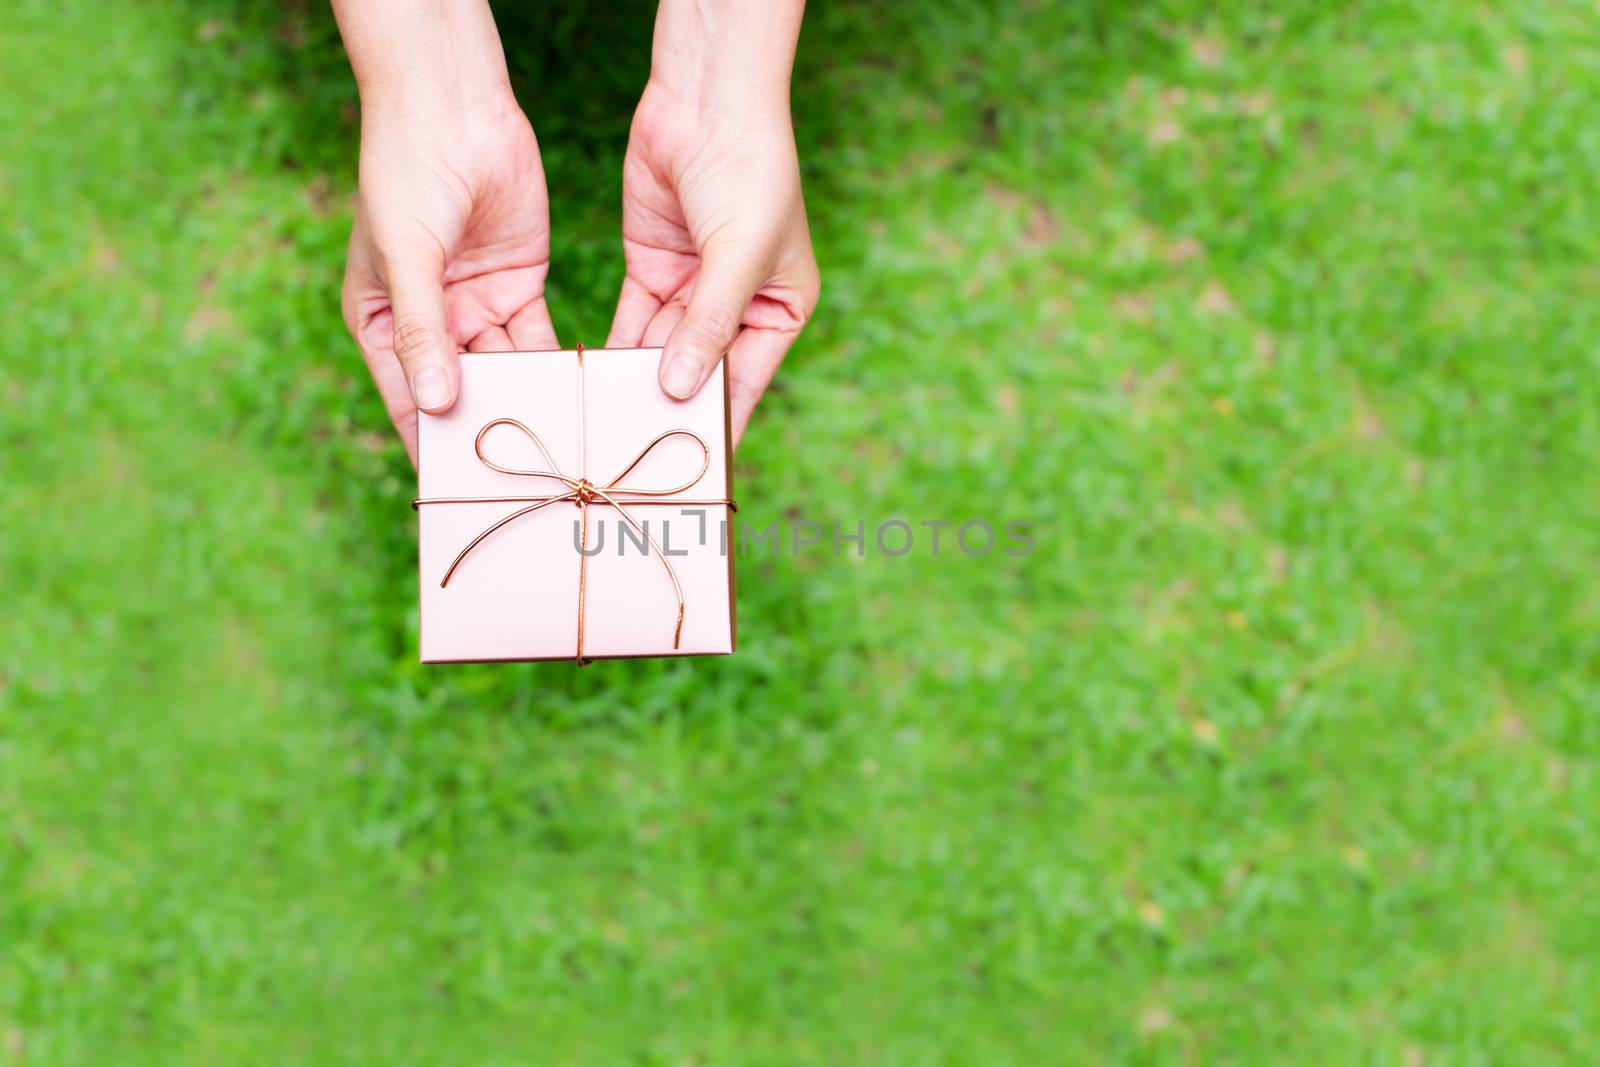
(584, 493)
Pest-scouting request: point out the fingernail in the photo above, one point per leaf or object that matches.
(431, 388)
(682, 376)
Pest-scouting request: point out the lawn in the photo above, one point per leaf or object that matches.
(1277, 323)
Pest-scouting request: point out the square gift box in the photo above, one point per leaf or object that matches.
(569, 509)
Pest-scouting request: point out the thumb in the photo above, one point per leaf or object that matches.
(723, 290)
(422, 341)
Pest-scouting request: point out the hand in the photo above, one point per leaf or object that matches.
(450, 251)
(451, 244)
(714, 234)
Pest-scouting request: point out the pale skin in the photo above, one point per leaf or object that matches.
(451, 245)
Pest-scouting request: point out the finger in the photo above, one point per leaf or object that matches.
(753, 360)
(492, 339)
(391, 383)
(497, 304)
(661, 327)
(373, 333)
(373, 341)
(727, 281)
(636, 307)
(531, 329)
(360, 281)
(422, 341)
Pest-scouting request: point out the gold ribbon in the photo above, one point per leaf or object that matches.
(584, 493)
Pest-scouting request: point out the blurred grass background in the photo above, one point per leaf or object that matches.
(1279, 323)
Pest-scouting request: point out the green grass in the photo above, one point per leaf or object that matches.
(1277, 321)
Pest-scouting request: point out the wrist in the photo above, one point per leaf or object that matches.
(726, 55)
(412, 59)
(423, 104)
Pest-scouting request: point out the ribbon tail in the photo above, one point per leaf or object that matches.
(515, 515)
(677, 588)
(583, 576)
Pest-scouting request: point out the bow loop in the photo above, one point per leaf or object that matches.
(553, 473)
(615, 486)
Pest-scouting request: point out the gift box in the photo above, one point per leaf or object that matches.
(569, 509)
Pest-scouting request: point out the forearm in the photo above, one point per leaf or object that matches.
(423, 56)
(726, 54)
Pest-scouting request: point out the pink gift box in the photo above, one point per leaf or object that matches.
(536, 459)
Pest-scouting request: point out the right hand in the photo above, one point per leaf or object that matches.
(450, 249)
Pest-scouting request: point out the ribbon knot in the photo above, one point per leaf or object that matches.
(583, 494)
